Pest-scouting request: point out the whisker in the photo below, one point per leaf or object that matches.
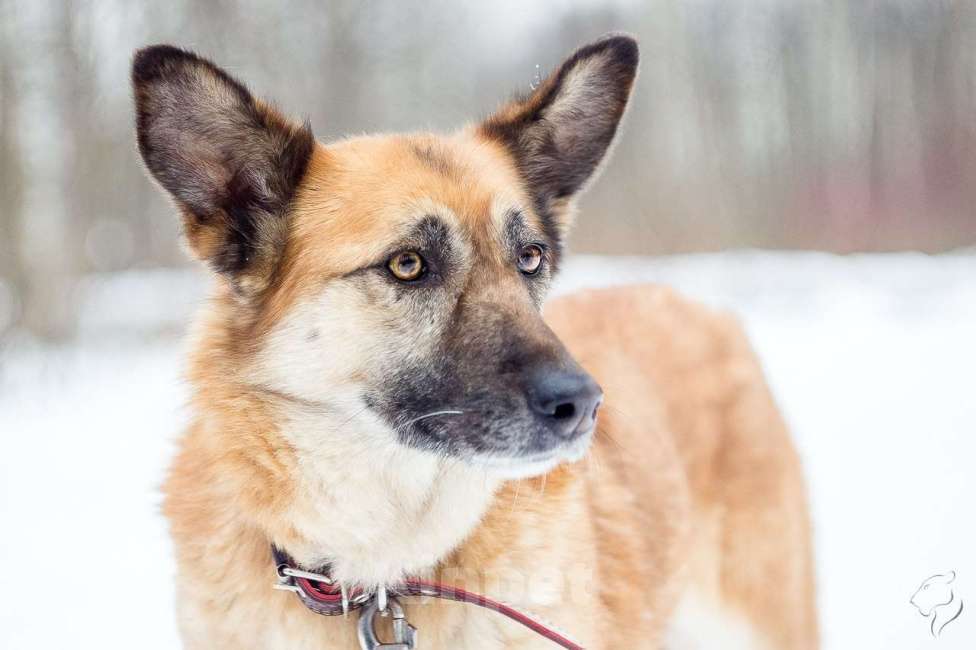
(352, 417)
(285, 396)
(623, 414)
(595, 460)
(518, 488)
(430, 415)
(605, 433)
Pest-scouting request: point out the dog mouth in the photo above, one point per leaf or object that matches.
(533, 464)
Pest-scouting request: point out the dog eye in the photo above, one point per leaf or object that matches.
(530, 259)
(407, 266)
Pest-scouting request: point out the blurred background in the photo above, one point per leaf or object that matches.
(833, 125)
(807, 164)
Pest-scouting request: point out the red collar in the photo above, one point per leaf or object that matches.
(322, 595)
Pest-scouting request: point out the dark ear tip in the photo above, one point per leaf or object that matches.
(151, 62)
(623, 48)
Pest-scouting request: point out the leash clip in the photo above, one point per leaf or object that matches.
(404, 634)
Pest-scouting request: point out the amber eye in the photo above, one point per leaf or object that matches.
(406, 266)
(530, 259)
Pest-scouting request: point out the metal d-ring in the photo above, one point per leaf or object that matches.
(404, 634)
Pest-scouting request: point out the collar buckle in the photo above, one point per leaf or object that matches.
(317, 591)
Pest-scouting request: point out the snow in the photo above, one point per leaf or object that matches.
(871, 358)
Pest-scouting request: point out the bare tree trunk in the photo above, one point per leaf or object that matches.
(11, 174)
(49, 309)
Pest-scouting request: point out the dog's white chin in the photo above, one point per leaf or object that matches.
(519, 467)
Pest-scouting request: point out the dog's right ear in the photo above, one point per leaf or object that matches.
(231, 163)
(559, 134)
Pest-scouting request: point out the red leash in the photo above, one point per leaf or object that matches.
(417, 587)
(323, 596)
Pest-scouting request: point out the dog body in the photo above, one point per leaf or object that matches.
(375, 389)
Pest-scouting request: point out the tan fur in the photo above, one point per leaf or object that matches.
(690, 501)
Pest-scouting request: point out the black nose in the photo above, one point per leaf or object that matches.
(566, 400)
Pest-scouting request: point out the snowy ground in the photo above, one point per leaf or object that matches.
(872, 359)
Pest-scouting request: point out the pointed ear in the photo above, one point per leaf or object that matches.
(231, 164)
(559, 134)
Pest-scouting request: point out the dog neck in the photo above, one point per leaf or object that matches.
(372, 509)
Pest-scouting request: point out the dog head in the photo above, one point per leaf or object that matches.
(394, 282)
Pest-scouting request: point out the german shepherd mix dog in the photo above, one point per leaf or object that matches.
(376, 391)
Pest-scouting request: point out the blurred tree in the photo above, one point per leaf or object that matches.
(12, 270)
(837, 125)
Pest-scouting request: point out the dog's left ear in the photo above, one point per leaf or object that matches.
(559, 134)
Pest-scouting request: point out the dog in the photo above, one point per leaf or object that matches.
(375, 389)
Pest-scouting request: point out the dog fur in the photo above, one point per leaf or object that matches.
(313, 371)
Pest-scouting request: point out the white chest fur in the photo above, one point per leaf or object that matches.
(374, 509)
